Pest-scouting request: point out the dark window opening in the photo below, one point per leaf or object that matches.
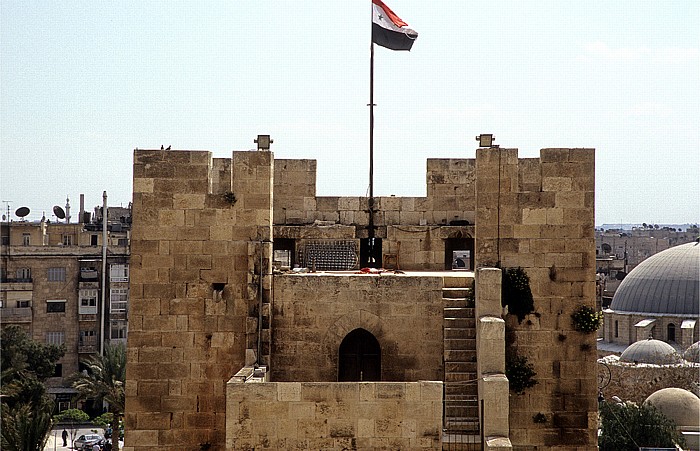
(58, 370)
(371, 253)
(671, 332)
(93, 240)
(459, 253)
(55, 307)
(283, 250)
(359, 357)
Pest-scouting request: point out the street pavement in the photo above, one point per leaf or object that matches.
(55, 442)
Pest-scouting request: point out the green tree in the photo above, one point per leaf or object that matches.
(26, 406)
(629, 427)
(105, 379)
(72, 419)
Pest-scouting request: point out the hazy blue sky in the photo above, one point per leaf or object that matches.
(83, 83)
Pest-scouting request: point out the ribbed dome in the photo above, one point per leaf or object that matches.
(692, 354)
(682, 406)
(666, 282)
(650, 351)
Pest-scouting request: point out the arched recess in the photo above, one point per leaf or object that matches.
(359, 319)
(359, 357)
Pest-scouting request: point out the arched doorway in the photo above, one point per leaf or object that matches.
(359, 357)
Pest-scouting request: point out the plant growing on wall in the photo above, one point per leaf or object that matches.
(520, 372)
(516, 293)
(586, 319)
(229, 197)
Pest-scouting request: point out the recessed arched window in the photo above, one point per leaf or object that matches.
(359, 357)
(671, 332)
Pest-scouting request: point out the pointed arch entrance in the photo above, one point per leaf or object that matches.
(359, 357)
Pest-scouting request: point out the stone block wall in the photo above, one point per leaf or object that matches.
(538, 213)
(196, 261)
(635, 383)
(312, 314)
(334, 416)
(413, 228)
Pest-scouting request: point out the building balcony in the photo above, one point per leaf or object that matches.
(87, 348)
(88, 275)
(16, 314)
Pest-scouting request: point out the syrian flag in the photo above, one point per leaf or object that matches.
(388, 30)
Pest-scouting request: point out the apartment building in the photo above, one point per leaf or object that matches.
(54, 281)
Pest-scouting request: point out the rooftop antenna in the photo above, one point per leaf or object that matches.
(21, 212)
(7, 204)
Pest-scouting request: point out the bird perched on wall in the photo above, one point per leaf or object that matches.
(161, 147)
(167, 148)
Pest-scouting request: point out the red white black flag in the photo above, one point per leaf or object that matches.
(388, 30)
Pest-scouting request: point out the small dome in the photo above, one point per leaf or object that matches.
(666, 282)
(692, 354)
(680, 405)
(650, 351)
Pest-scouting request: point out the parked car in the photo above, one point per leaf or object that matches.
(86, 441)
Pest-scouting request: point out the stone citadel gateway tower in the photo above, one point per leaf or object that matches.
(225, 353)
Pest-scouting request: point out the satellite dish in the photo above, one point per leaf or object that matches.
(22, 212)
(58, 211)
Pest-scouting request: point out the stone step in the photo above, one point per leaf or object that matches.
(462, 355)
(464, 391)
(464, 424)
(458, 312)
(458, 281)
(459, 322)
(453, 293)
(460, 344)
(460, 367)
(458, 302)
(461, 410)
(461, 376)
(459, 332)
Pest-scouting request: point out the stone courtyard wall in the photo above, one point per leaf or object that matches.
(312, 313)
(334, 416)
(538, 214)
(631, 382)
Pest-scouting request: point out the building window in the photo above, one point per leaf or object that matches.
(93, 240)
(117, 330)
(58, 370)
(55, 338)
(26, 239)
(671, 332)
(57, 274)
(87, 338)
(24, 273)
(55, 305)
(67, 240)
(88, 302)
(23, 304)
(119, 273)
(118, 299)
(617, 329)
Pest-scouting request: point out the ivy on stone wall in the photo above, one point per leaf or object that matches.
(520, 372)
(586, 319)
(516, 293)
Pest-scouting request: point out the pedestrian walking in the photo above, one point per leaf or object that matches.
(64, 435)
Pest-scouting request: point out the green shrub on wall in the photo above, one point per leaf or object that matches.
(520, 373)
(516, 293)
(586, 319)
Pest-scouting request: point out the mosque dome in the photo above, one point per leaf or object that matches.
(692, 354)
(650, 351)
(682, 406)
(665, 283)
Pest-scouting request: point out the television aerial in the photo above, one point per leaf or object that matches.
(22, 212)
(58, 211)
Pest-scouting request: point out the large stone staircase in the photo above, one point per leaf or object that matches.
(461, 414)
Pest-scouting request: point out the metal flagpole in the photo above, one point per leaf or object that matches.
(370, 200)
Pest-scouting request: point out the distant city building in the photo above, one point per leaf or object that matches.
(619, 251)
(52, 286)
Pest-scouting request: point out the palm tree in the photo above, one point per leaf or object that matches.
(26, 426)
(104, 379)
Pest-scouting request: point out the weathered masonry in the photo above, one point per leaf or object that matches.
(231, 348)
